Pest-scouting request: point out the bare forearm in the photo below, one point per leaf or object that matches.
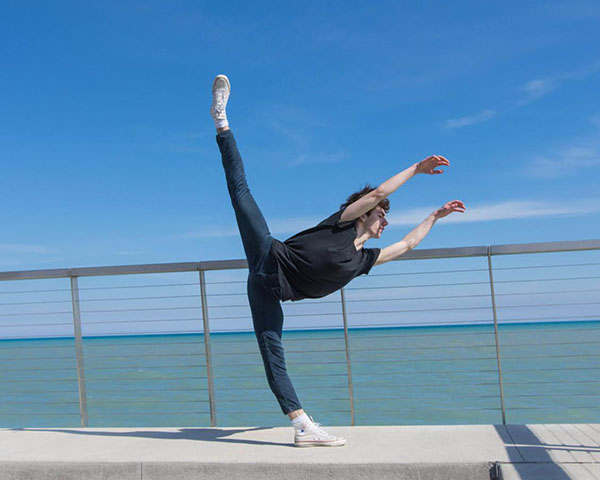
(414, 237)
(392, 184)
(371, 199)
(409, 242)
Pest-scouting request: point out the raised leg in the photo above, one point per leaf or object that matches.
(254, 231)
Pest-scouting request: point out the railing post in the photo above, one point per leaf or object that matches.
(207, 354)
(489, 259)
(79, 351)
(349, 366)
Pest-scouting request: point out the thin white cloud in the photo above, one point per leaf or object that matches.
(320, 157)
(471, 120)
(567, 162)
(541, 87)
(14, 262)
(25, 248)
(276, 226)
(580, 73)
(517, 209)
(538, 87)
(535, 89)
(297, 126)
(130, 252)
(213, 232)
(410, 217)
(530, 92)
(509, 210)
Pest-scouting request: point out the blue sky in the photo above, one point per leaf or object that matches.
(108, 153)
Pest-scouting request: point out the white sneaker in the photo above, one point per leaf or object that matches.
(311, 435)
(220, 91)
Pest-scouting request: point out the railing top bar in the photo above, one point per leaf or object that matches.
(240, 264)
(444, 253)
(223, 265)
(124, 270)
(35, 274)
(135, 269)
(545, 247)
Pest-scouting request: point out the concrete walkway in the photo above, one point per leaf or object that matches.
(548, 452)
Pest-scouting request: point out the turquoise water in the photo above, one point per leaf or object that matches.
(410, 375)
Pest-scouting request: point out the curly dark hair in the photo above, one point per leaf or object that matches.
(385, 203)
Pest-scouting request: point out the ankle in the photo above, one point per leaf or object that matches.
(221, 124)
(302, 419)
(295, 413)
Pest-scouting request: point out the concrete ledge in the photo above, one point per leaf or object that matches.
(70, 471)
(458, 452)
(239, 471)
(266, 471)
(550, 471)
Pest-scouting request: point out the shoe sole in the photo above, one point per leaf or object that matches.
(224, 77)
(320, 444)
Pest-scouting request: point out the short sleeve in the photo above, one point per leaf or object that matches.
(334, 221)
(370, 256)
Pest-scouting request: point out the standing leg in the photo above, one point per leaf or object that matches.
(267, 317)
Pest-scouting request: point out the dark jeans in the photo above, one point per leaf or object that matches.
(267, 315)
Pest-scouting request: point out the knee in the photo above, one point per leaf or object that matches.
(273, 347)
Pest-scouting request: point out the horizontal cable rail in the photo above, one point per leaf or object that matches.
(428, 372)
(154, 367)
(467, 349)
(372, 312)
(437, 297)
(262, 388)
(88, 346)
(150, 355)
(461, 284)
(144, 390)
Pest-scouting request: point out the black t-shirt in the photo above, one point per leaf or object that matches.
(321, 260)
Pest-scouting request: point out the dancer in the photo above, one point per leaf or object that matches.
(312, 263)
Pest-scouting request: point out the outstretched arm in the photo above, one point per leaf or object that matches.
(411, 240)
(371, 199)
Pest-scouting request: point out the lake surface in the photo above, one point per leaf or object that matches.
(400, 376)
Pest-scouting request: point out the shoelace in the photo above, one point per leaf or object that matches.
(318, 429)
(219, 106)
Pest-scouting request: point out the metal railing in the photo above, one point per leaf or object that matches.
(380, 351)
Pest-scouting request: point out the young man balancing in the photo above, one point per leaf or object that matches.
(312, 263)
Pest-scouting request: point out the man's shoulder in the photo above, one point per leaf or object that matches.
(334, 220)
(331, 219)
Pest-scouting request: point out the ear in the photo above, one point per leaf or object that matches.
(363, 217)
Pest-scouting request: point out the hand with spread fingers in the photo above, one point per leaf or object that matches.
(430, 164)
(449, 207)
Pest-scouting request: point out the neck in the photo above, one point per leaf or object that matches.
(361, 236)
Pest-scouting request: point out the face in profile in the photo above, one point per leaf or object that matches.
(374, 222)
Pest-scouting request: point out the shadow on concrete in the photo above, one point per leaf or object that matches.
(524, 448)
(199, 434)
